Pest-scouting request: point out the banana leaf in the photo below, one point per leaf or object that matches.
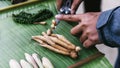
(15, 39)
(4, 3)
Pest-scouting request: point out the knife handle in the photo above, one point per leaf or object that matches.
(66, 7)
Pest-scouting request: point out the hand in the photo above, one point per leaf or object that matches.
(74, 6)
(86, 26)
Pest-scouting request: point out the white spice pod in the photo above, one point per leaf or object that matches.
(37, 59)
(14, 64)
(46, 63)
(25, 64)
(30, 59)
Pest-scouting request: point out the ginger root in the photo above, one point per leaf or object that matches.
(57, 43)
(56, 40)
(40, 40)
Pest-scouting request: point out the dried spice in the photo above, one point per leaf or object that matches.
(25, 64)
(23, 18)
(58, 44)
(31, 18)
(47, 63)
(14, 64)
(33, 61)
(42, 15)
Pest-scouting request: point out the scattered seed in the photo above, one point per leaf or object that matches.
(49, 32)
(42, 23)
(73, 54)
(77, 49)
(44, 34)
(53, 26)
(53, 22)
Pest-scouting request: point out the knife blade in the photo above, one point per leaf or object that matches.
(86, 60)
(65, 9)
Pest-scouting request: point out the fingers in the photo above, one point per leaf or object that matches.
(75, 5)
(88, 43)
(59, 3)
(83, 37)
(76, 30)
(73, 18)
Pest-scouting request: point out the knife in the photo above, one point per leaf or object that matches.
(86, 60)
(65, 9)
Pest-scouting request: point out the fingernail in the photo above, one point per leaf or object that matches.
(72, 32)
(84, 44)
(58, 16)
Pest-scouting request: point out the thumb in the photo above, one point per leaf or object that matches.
(59, 3)
(75, 5)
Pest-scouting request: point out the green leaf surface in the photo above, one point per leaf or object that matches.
(4, 3)
(15, 39)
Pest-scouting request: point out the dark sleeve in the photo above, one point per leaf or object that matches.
(108, 27)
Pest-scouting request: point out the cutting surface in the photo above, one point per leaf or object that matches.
(15, 39)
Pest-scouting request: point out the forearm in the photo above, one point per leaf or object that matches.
(108, 27)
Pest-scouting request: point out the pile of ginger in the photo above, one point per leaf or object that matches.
(57, 43)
